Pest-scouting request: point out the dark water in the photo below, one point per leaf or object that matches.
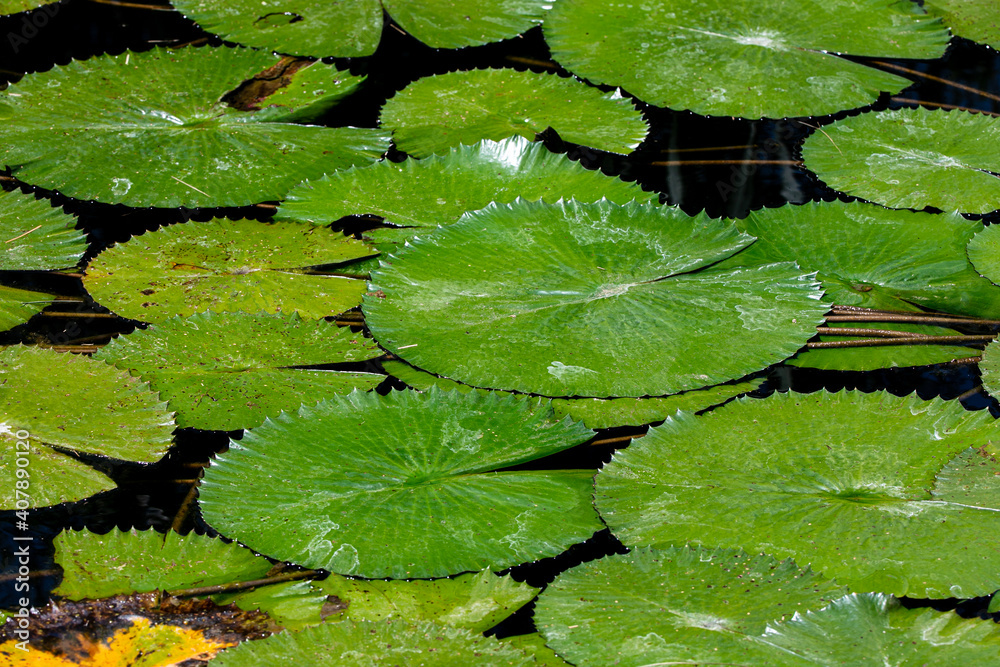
(153, 496)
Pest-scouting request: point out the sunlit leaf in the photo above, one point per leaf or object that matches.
(98, 566)
(226, 265)
(439, 112)
(674, 606)
(588, 300)
(977, 20)
(292, 604)
(535, 645)
(8, 7)
(228, 371)
(911, 158)
(154, 129)
(750, 59)
(415, 493)
(17, 306)
(76, 404)
(852, 485)
(35, 236)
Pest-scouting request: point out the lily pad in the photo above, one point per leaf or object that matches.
(158, 132)
(592, 300)
(973, 19)
(984, 253)
(8, 7)
(415, 494)
(911, 158)
(17, 306)
(990, 368)
(762, 59)
(439, 112)
(535, 645)
(229, 371)
(292, 604)
(873, 630)
(674, 606)
(226, 265)
(853, 485)
(370, 643)
(350, 29)
(51, 399)
(99, 566)
(597, 412)
(37, 237)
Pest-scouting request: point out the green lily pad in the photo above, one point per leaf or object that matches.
(990, 368)
(474, 601)
(534, 644)
(36, 237)
(873, 630)
(119, 563)
(973, 19)
(292, 604)
(590, 300)
(307, 92)
(350, 29)
(674, 606)
(226, 265)
(414, 495)
(229, 371)
(984, 253)
(370, 644)
(911, 158)
(596, 412)
(53, 399)
(439, 112)
(762, 59)
(17, 306)
(157, 131)
(853, 485)
(8, 7)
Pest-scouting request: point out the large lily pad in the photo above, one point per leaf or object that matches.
(17, 306)
(354, 28)
(119, 563)
(674, 606)
(858, 486)
(51, 399)
(153, 129)
(874, 630)
(226, 265)
(977, 20)
(374, 643)
(413, 494)
(35, 236)
(588, 300)
(439, 112)
(912, 158)
(748, 59)
(229, 371)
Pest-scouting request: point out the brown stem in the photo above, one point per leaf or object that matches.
(857, 310)
(682, 163)
(942, 105)
(244, 585)
(707, 149)
(911, 319)
(185, 508)
(532, 61)
(34, 573)
(881, 333)
(609, 441)
(879, 342)
(972, 392)
(930, 77)
(135, 5)
(50, 313)
(81, 349)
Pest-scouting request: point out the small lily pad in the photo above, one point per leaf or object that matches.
(416, 492)
(158, 131)
(8, 7)
(51, 399)
(17, 306)
(439, 112)
(768, 58)
(229, 371)
(984, 253)
(860, 487)
(911, 158)
(119, 563)
(37, 237)
(226, 265)
(990, 368)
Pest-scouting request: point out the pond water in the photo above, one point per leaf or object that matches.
(726, 167)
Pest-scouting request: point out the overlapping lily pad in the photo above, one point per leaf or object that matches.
(912, 158)
(973, 19)
(439, 112)
(98, 566)
(17, 306)
(674, 606)
(50, 399)
(372, 643)
(771, 58)
(416, 493)
(591, 300)
(873, 630)
(984, 253)
(226, 265)
(231, 370)
(354, 28)
(35, 236)
(990, 368)
(154, 129)
(869, 489)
